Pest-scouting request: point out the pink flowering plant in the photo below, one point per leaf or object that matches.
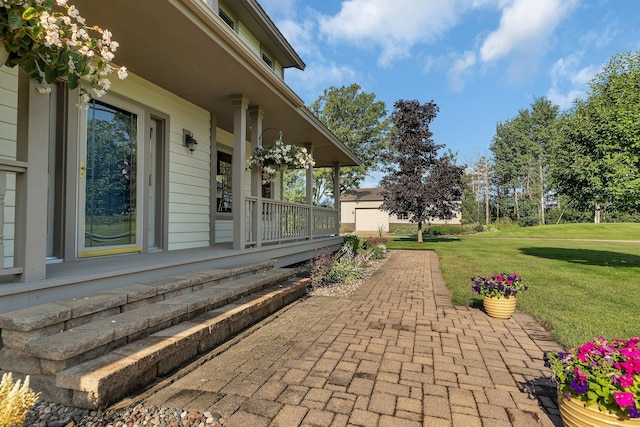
(50, 40)
(600, 372)
(499, 285)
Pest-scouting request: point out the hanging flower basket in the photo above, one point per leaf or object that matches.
(278, 157)
(49, 40)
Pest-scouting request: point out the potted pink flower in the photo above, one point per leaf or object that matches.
(499, 292)
(600, 377)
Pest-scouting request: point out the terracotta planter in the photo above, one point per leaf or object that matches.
(575, 414)
(500, 308)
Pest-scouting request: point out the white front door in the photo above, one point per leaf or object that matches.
(110, 179)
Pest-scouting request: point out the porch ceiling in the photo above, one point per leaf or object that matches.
(183, 47)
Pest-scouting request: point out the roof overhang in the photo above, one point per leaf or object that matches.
(184, 47)
(260, 25)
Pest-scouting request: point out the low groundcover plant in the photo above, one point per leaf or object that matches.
(606, 373)
(499, 285)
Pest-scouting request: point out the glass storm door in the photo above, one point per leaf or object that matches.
(109, 196)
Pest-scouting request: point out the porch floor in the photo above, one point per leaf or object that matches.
(77, 278)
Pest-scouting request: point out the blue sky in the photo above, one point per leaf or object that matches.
(479, 60)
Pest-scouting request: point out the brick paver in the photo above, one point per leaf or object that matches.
(397, 352)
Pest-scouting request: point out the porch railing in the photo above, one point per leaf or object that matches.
(284, 221)
(8, 168)
(325, 222)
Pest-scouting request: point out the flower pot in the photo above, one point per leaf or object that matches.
(575, 414)
(500, 308)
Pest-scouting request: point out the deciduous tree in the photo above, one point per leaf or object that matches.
(598, 162)
(361, 123)
(521, 149)
(418, 182)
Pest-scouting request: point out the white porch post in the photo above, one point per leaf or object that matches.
(31, 187)
(336, 193)
(256, 113)
(239, 162)
(309, 188)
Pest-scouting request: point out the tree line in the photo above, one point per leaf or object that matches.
(546, 165)
(579, 165)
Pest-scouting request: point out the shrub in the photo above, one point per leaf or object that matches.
(353, 242)
(504, 224)
(444, 230)
(371, 242)
(15, 401)
(321, 265)
(344, 271)
(345, 230)
(343, 268)
(376, 252)
(403, 230)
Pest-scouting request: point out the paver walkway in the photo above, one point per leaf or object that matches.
(397, 353)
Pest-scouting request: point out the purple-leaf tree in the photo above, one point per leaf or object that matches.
(418, 183)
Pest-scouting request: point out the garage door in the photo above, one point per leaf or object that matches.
(371, 220)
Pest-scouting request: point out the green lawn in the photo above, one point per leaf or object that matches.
(579, 289)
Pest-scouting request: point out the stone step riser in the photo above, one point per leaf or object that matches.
(100, 382)
(91, 351)
(19, 330)
(74, 312)
(92, 341)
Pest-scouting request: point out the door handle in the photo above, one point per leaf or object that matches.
(83, 169)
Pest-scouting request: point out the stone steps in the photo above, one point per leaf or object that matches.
(93, 351)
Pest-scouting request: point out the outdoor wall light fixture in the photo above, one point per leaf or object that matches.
(189, 141)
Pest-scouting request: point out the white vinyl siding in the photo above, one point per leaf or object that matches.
(254, 44)
(249, 39)
(8, 135)
(224, 231)
(189, 173)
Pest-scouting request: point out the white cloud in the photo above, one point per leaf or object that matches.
(394, 26)
(318, 76)
(299, 35)
(564, 100)
(319, 72)
(461, 69)
(525, 27)
(569, 80)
